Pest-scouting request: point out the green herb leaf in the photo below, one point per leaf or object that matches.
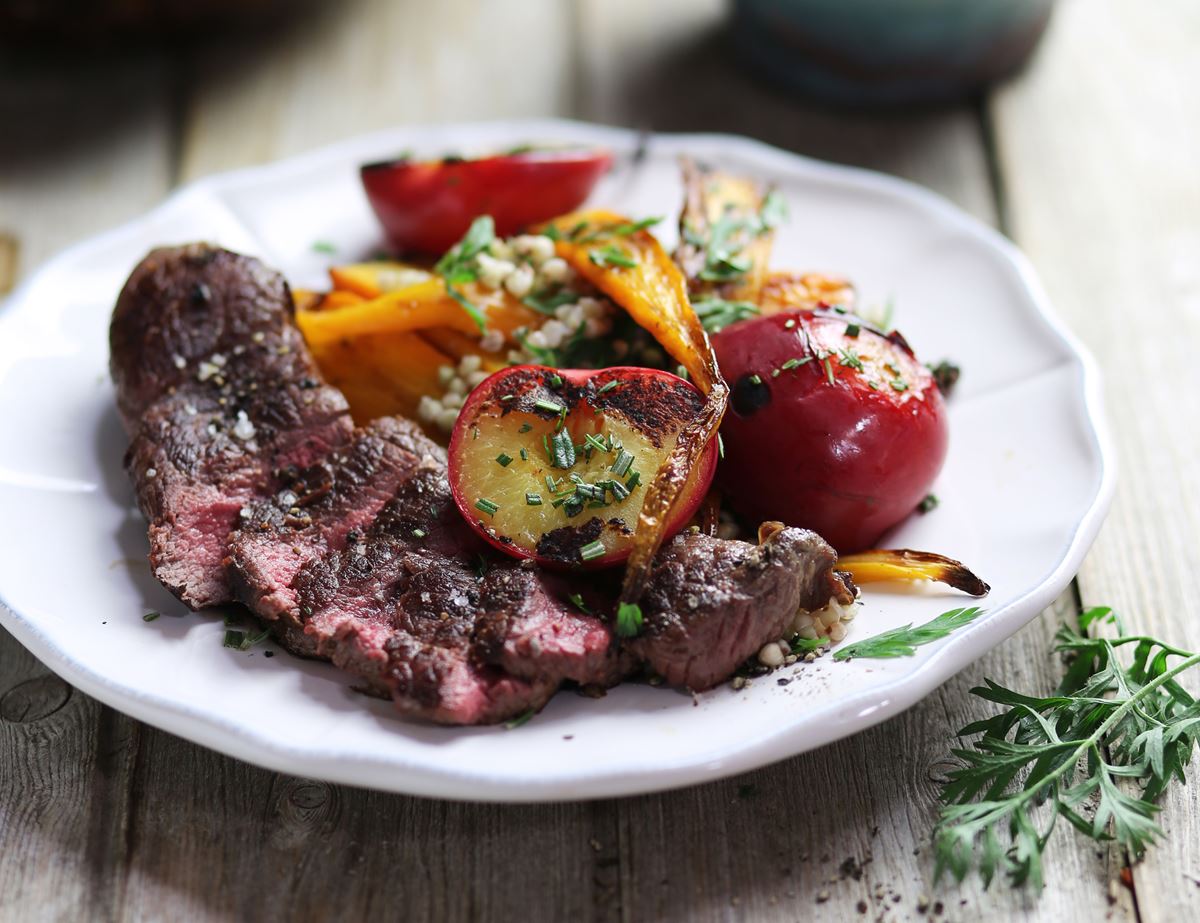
(928, 504)
(458, 265)
(716, 313)
(591, 551)
(485, 505)
(1111, 719)
(576, 600)
(629, 619)
(522, 718)
(150, 616)
(611, 255)
(503, 460)
(903, 642)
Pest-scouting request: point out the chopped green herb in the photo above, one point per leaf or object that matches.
(505, 398)
(549, 406)
(324, 246)
(591, 551)
(756, 379)
(576, 600)
(458, 265)
(607, 386)
(552, 483)
(828, 369)
(801, 645)
(611, 255)
(720, 447)
(523, 718)
(525, 427)
(946, 375)
(898, 385)
(233, 639)
(548, 304)
(789, 323)
(592, 442)
(774, 211)
(503, 460)
(853, 330)
(629, 619)
(524, 454)
(619, 490)
(716, 313)
(562, 450)
(486, 506)
(554, 381)
(849, 358)
(419, 533)
(928, 504)
(795, 363)
(621, 465)
(150, 616)
(635, 479)
(533, 499)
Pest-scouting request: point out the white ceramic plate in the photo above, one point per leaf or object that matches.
(1027, 483)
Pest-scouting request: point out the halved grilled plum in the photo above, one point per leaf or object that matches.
(553, 464)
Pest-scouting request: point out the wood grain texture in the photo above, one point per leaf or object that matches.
(1098, 147)
(92, 150)
(366, 65)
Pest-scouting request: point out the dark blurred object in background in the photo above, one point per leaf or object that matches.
(98, 23)
(879, 52)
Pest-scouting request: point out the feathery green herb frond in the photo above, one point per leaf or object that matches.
(903, 642)
(1111, 719)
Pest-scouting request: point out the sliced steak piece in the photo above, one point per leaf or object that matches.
(317, 509)
(711, 603)
(217, 391)
(530, 628)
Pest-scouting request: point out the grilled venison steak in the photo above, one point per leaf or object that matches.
(712, 603)
(217, 392)
(347, 542)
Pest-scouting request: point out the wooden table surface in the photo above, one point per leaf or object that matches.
(1090, 160)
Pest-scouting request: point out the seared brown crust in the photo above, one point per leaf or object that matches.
(712, 603)
(218, 392)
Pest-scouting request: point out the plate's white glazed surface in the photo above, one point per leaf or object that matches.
(1027, 483)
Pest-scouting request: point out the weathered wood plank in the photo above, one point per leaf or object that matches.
(1098, 145)
(371, 64)
(91, 151)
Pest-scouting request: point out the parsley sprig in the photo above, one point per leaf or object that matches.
(904, 641)
(1112, 724)
(458, 265)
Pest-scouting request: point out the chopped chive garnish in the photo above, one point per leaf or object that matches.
(594, 443)
(323, 246)
(591, 551)
(619, 490)
(775, 373)
(554, 381)
(789, 323)
(551, 406)
(525, 427)
(150, 616)
(507, 397)
(621, 465)
(928, 504)
(629, 619)
(233, 639)
(486, 506)
(874, 385)
(573, 506)
(552, 483)
(634, 480)
(828, 369)
(720, 447)
(796, 363)
(853, 330)
(546, 446)
(849, 359)
(607, 386)
(533, 499)
(504, 460)
(524, 454)
(562, 450)
(514, 723)
(898, 385)
(577, 601)
(611, 255)
(475, 433)
(419, 533)
(756, 379)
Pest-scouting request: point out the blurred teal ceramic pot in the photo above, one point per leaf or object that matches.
(887, 51)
